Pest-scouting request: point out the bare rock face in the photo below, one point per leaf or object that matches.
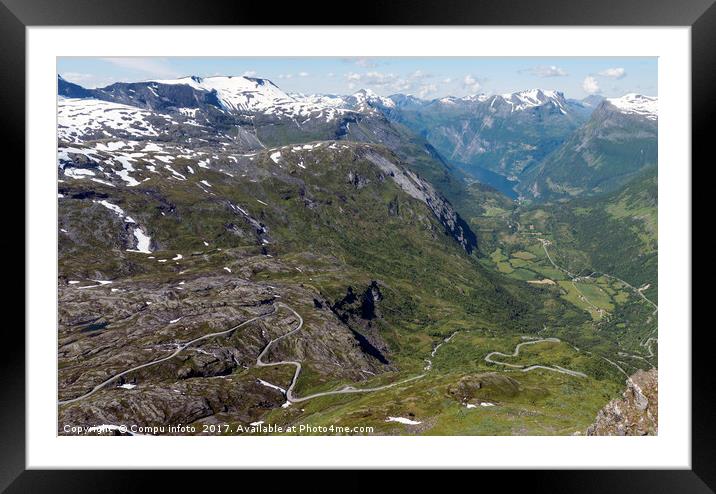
(170, 404)
(635, 413)
(423, 191)
(359, 311)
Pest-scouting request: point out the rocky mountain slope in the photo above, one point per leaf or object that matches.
(636, 413)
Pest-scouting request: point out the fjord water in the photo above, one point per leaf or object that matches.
(488, 177)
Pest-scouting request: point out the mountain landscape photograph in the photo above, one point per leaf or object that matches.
(377, 246)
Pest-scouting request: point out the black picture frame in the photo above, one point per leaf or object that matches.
(700, 15)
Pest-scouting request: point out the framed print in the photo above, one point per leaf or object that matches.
(434, 238)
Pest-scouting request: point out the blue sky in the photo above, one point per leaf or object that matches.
(426, 77)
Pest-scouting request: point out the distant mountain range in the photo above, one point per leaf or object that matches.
(549, 146)
(536, 138)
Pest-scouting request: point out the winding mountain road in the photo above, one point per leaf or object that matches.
(164, 359)
(289, 391)
(290, 397)
(523, 368)
(259, 363)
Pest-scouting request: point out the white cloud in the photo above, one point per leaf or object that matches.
(447, 80)
(590, 85)
(471, 84)
(153, 67)
(249, 73)
(614, 72)
(303, 74)
(285, 76)
(77, 77)
(427, 89)
(330, 74)
(86, 80)
(364, 62)
(547, 71)
(401, 85)
(379, 80)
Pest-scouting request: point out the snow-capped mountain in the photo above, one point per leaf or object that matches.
(513, 102)
(77, 118)
(365, 98)
(254, 95)
(321, 100)
(407, 101)
(213, 118)
(637, 104)
(237, 93)
(532, 98)
(506, 133)
(481, 98)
